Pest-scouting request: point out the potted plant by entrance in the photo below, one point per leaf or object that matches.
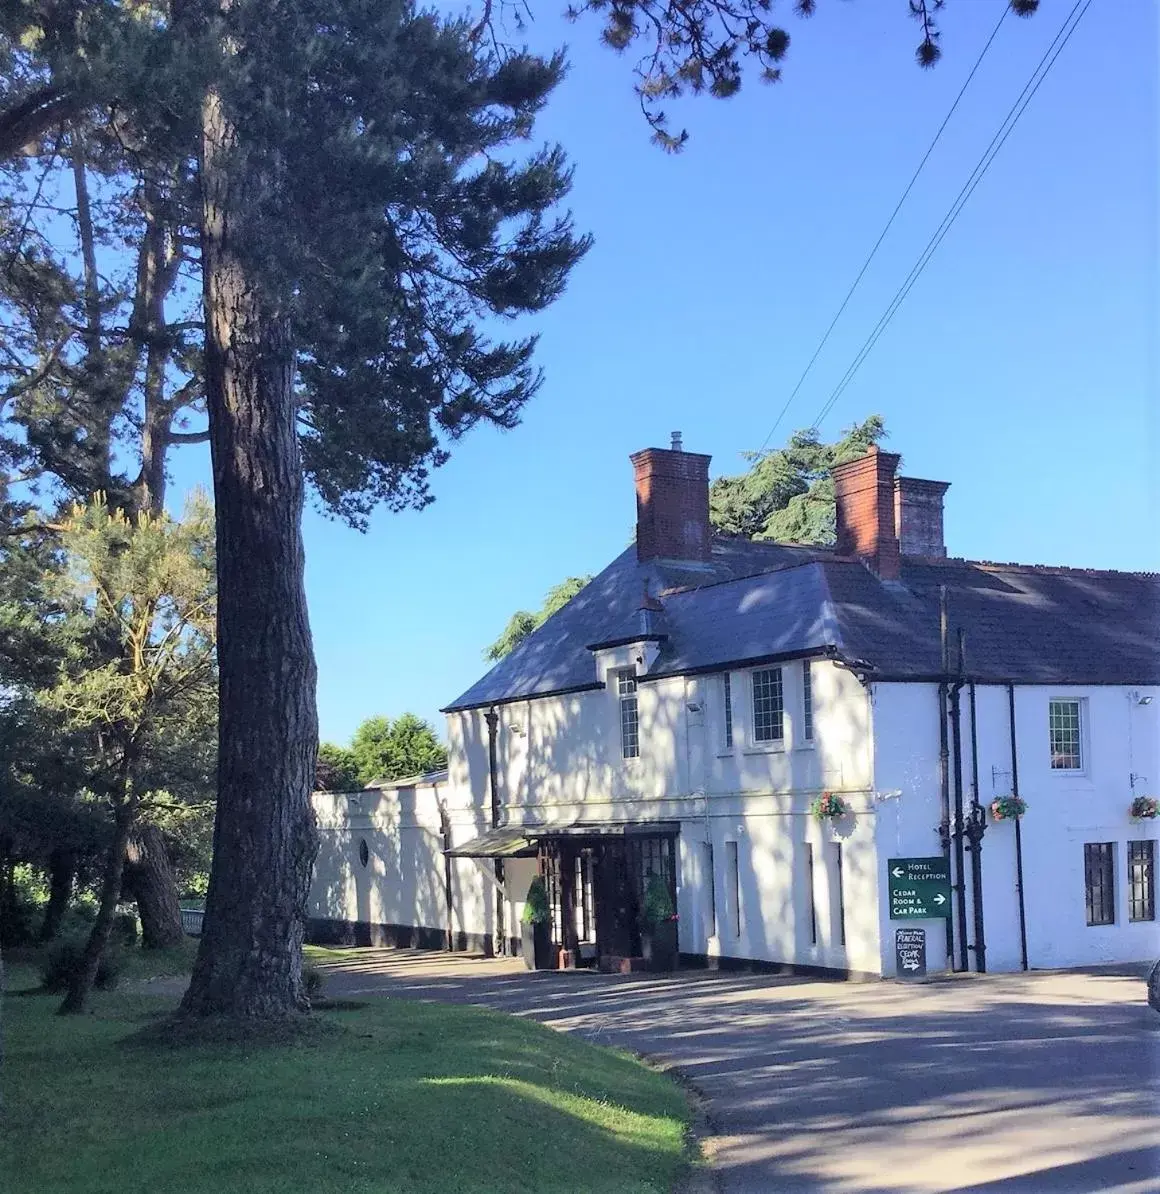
(658, 926)
(535, 927)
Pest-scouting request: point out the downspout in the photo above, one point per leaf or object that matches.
(959, 885)
(976, 827)
(1018, 834)
(445, 830)
(499, 945)
(944, 782)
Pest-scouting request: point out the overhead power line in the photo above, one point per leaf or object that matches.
(1017, 109)
(886, 228)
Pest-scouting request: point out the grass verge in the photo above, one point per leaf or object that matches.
(398, 1096)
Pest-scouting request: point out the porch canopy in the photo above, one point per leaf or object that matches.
(520, 841)
(506, 842)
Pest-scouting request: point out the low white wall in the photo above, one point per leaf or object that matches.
(403, 882)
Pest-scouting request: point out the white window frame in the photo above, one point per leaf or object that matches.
(623, 699)
(776, 742)
(1081, 737)
(807, 705)
(729, 735)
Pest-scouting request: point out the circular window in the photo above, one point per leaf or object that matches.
(364, 853)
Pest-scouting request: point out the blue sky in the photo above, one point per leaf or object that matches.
(1022, 368)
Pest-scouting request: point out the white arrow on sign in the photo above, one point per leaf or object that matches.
(940, 899)
(909, 965)
(898, 872)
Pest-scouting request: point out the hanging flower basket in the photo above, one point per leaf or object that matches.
(1008, 808)
(828, 805)
(1144, 808)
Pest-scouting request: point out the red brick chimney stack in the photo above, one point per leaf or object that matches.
(918, 517)
(864, 496)
(672, 504)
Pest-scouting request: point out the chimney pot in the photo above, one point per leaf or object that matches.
(676, 441)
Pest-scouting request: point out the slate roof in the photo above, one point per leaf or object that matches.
(764, 601)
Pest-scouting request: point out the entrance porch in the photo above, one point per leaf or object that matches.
(596, 875)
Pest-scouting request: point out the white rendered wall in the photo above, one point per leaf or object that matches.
(559, 761)
(1065, 810)
(403, 882)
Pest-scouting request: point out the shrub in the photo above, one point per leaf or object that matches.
(17, 921)
(658, 904)
(536, 910)
(124, 929)
(62, 963)
(312, 981)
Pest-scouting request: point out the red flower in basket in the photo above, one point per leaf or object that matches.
(1008, 808)
(1144, 808)
(828, 804)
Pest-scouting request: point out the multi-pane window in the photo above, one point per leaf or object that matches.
(1063, 719)
(768, 709)
(1099, 872)
(629, 717)
(1142, 880)
(727, 688)
(807, 702)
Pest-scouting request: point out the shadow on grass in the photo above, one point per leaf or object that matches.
(397, 1096)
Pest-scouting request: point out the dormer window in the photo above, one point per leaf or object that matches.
(629, 715)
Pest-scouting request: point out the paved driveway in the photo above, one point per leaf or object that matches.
(1012, 1083)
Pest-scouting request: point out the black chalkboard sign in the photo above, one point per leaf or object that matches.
(910, 953)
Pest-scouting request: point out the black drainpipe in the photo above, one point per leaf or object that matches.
(445, 831)
(960, 886)
(944, 781)
(1018, 834)
(976, 826)
(499, 945)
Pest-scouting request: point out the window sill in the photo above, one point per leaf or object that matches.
(809, 745)
(772, 748)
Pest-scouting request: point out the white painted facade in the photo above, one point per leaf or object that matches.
(399, 881)
(786, 888)
(1065, 810)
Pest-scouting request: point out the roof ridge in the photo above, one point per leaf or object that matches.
(1044, 569)
(680, 590)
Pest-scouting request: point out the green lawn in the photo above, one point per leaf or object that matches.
(402, 1096)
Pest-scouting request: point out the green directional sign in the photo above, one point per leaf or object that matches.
(920, 888)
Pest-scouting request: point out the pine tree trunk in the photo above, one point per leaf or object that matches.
(150, 880)
(62, 866)
(77, 998)
(249, 963)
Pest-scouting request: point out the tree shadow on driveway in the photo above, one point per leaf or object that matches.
(1007, 1082)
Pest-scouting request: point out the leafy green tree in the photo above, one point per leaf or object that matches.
(146, 585)
(357, 215)
(385, 749)
(522, 623)
(336, 769)
(787, 495)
